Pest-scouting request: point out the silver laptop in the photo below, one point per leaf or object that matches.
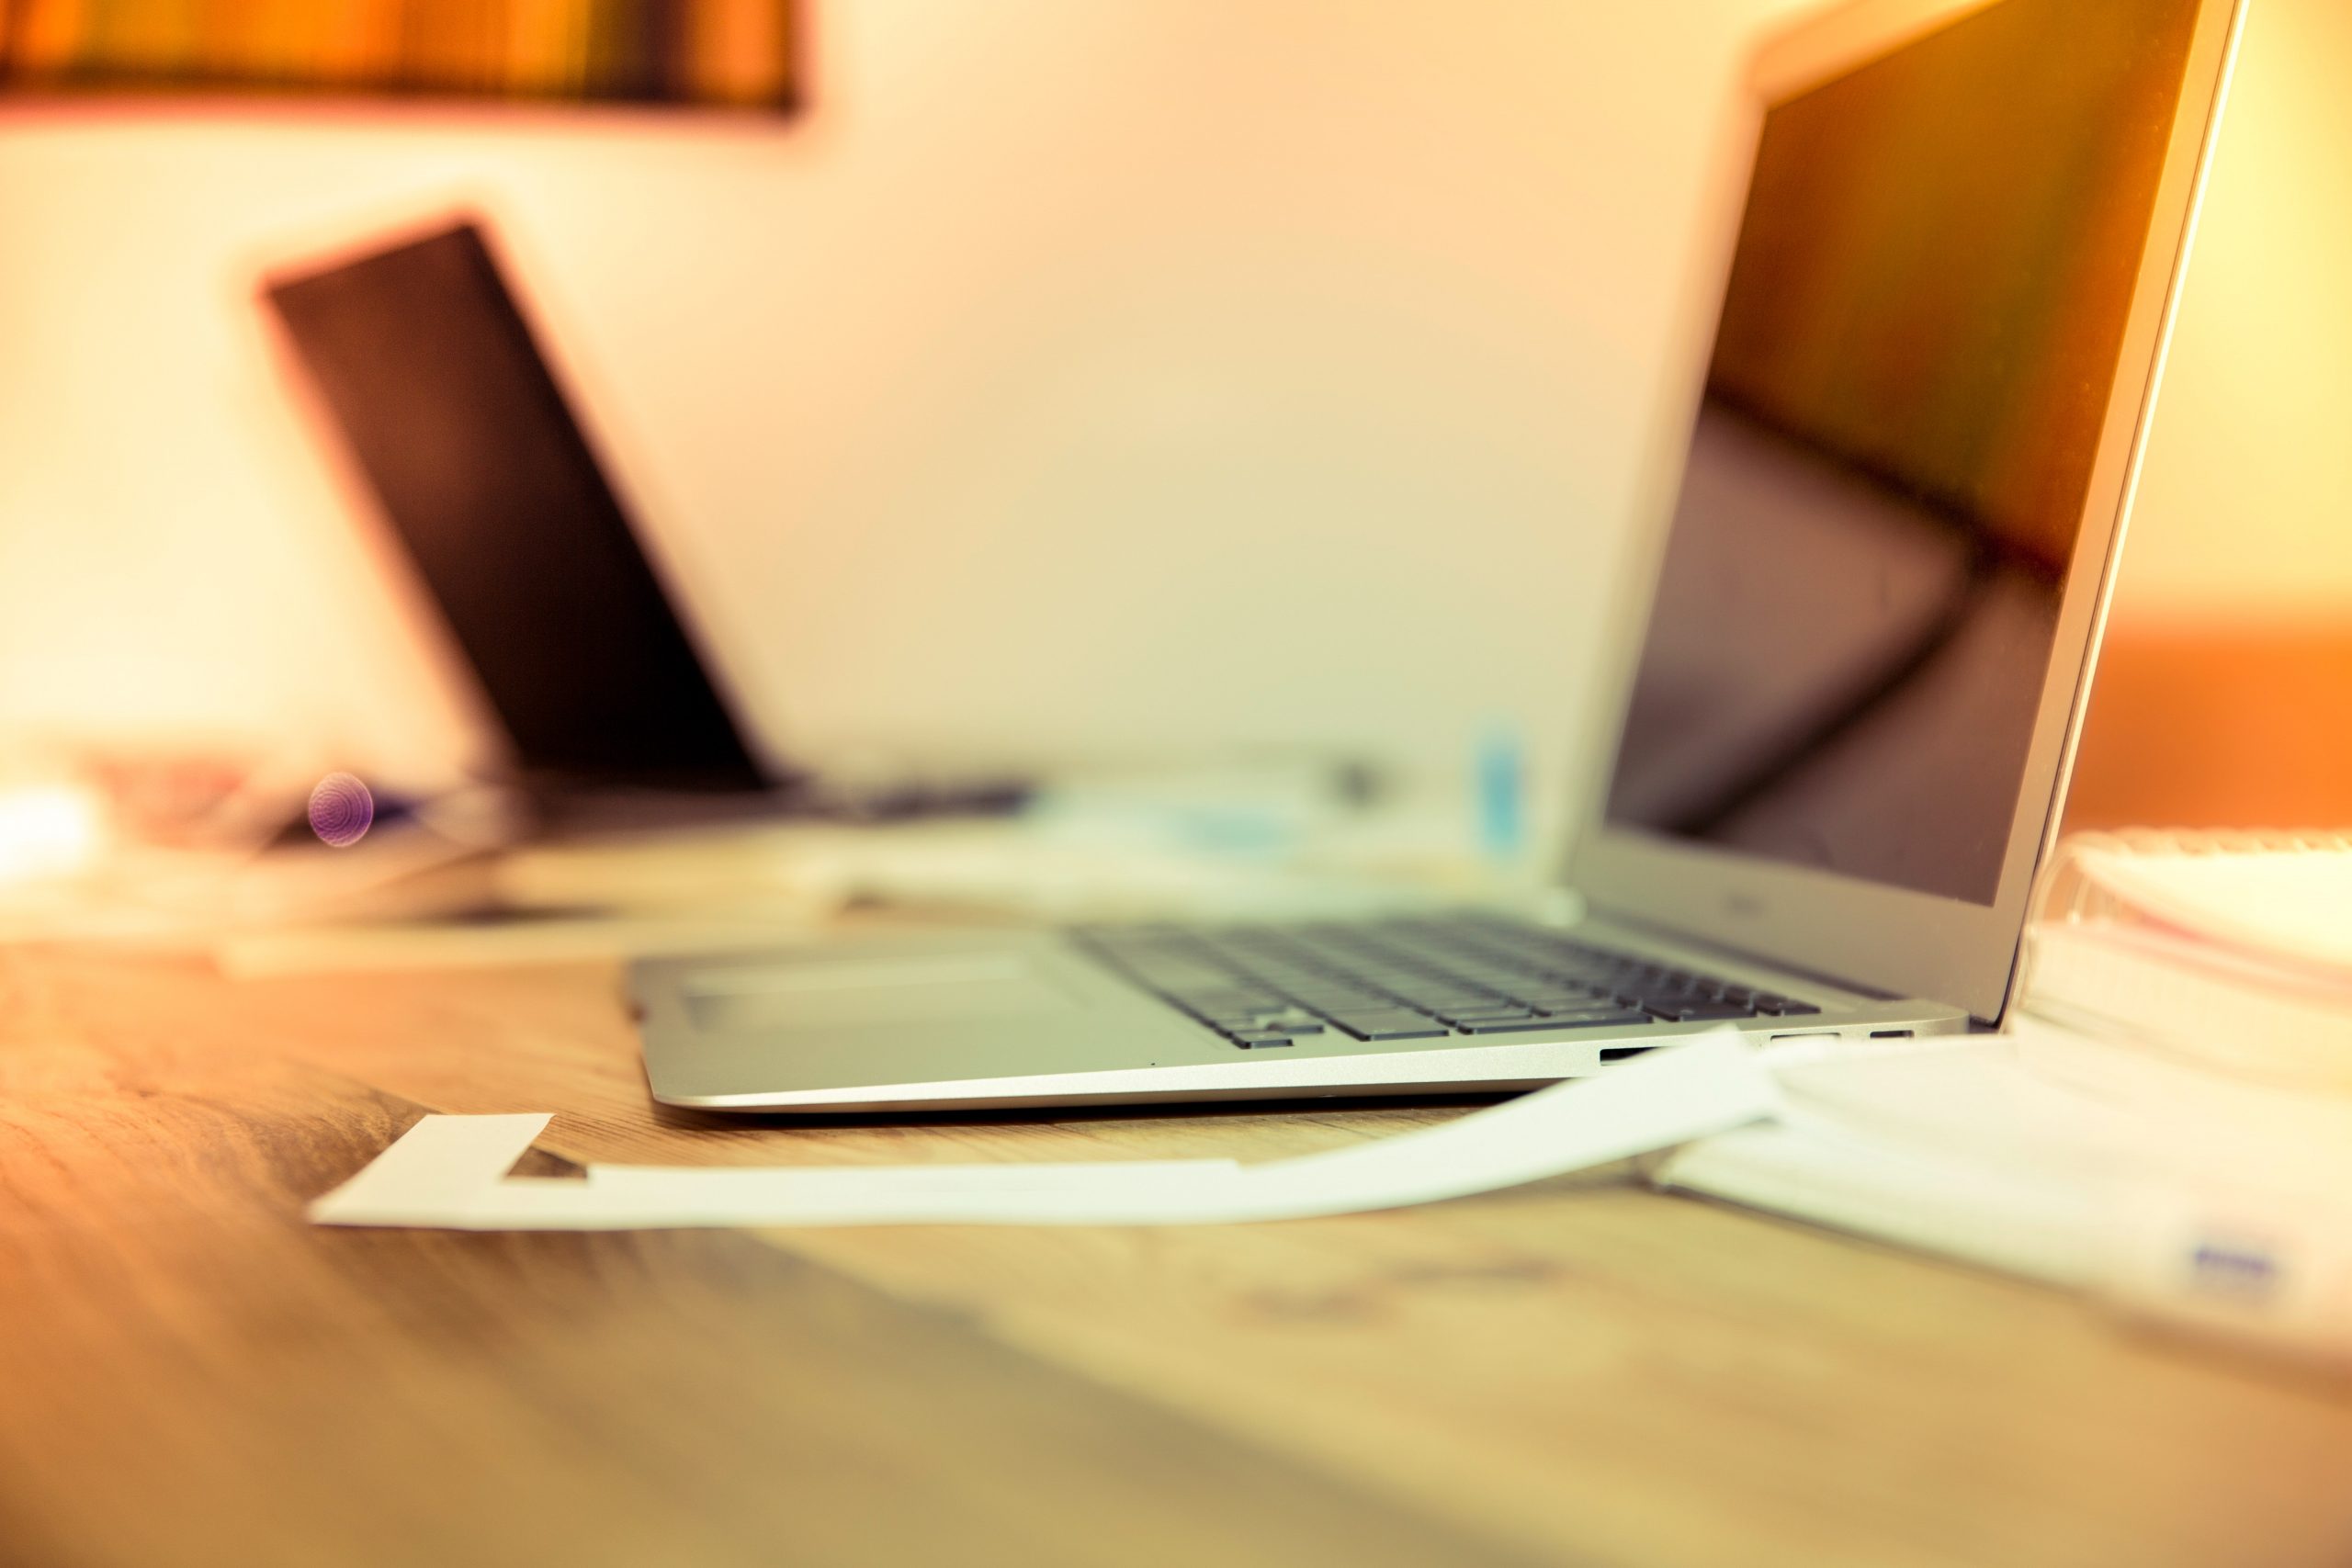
(1851, 692)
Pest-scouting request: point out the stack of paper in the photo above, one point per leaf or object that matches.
(2234, 951)
(2176, 1192)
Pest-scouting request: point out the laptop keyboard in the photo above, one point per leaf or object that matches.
(1266, 987)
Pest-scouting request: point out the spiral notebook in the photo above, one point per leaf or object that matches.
(2233, 949)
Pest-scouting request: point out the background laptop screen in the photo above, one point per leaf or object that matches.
(1878, 514)
(426, 362)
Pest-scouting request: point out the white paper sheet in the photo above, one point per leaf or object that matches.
(451, 1171)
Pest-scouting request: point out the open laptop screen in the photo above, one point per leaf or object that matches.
(430, 372)
(1926, 305)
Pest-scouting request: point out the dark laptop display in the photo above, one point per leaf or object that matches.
(1926, 310)
(431, 374)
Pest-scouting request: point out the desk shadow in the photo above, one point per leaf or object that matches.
(683, 1119)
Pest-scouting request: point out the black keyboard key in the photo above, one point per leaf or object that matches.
(1625, 1019)
(1697, 1011)
(1603, 1013)
(1404, 1027)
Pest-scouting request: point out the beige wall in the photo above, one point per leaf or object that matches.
(2245, 508)
(1076, 378)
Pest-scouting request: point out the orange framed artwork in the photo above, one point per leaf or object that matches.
(738, 54)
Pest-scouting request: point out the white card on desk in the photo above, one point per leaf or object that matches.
(451, 1171)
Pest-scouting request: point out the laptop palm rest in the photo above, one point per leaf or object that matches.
(833, 992)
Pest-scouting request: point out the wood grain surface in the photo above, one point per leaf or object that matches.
(195, 1375)
(1573, 1372)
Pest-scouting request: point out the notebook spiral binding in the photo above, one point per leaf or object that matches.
(2063, 893)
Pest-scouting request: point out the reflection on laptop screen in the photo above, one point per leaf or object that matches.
(1926, 310)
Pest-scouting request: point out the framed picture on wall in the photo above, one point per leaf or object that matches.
(738, 54)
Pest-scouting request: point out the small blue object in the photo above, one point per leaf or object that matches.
(1502, 811)
(2233, 1268)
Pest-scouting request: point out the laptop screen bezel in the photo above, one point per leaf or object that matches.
(1867, 935)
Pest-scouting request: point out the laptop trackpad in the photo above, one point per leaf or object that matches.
(834, 992)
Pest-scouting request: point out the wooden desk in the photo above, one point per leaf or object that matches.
(1576, 1371)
